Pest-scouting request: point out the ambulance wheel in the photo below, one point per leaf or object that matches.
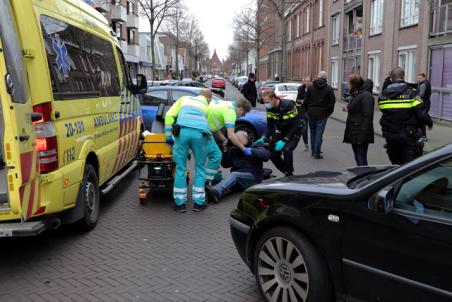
(89, 196)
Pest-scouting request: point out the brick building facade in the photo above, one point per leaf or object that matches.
(307, 37)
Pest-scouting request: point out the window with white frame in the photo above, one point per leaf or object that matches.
(373, 71)
(335, 29)
(376, 16)
(289, 30)
(410, 12)
(407, 61)
(298, 26)
(308, 19)
(334, 72)
(320, 13)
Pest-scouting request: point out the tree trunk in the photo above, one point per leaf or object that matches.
(152, 52)
(282, 19)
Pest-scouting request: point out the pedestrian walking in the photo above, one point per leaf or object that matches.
(302, 110)
(424, 91)
(246, 171)
(403, 117)
(249, 90)
(319, 102)
(223, 114)
(186, 120)
(283, 130)
(359, 129)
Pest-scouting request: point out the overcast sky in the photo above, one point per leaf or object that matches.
(215, 20)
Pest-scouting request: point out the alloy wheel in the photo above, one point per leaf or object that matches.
(282, 271)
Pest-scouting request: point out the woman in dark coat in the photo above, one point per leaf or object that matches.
(359, 131)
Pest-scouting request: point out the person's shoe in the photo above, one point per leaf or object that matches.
(306, 147)
(318, 156)
(180, 208)
(212, 195)
(288, 174)
(199, 207)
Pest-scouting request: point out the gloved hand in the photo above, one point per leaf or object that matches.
(260, 141)
(279, 145)
(169, 141)
(248, 151)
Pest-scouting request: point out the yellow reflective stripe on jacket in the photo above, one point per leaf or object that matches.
(399, 104)
(285, 116)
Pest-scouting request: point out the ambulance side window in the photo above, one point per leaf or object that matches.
(125, 70)
(80, 63)
(17, 82)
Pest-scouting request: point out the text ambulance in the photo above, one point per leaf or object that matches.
(69, 124)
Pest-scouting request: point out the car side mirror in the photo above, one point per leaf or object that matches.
(141, 86)
(383, 201)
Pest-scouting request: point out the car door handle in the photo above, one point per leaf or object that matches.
(24, 137)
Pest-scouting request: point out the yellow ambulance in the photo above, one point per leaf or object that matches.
(70, 123)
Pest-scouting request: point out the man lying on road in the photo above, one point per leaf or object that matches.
(246, 171)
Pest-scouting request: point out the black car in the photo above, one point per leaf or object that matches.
(361, 234)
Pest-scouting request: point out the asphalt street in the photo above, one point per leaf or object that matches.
(150, 252)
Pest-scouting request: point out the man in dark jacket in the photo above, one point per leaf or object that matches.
(424, 91)
(302, 110)
(403, 117)
(249, 90)
(283, 130)
(246, 171)
(319, 103)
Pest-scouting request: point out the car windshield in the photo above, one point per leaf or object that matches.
(366, 178)
(288, 87)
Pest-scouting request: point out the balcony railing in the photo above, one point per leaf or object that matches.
(118, 13)
(442, 20)
(352, 42)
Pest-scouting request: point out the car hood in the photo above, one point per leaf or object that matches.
(324, 182)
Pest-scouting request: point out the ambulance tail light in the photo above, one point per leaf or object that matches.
(46, 140)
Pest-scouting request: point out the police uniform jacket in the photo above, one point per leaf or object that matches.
(285, 120)
(401, 110)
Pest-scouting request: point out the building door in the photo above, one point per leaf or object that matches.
(441, 81)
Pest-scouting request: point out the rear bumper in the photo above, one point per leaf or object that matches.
(24, 229)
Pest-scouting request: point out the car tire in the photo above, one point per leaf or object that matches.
(288, 268)
(88, 195)
(252, 134)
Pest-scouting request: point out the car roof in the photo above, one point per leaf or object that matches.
(175, 88)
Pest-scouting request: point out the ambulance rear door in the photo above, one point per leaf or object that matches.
(19, 166)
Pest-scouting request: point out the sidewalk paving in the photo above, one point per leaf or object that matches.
(440, 135)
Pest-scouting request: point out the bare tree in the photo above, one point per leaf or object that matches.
(156, 11)
(248, 27)
(280, 8)
(176, 27)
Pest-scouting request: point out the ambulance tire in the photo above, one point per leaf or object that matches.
(89, 196)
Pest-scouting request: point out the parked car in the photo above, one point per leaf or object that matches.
(191, 83)
(158, 100)
(287, 91)
(381, 233)
(265, 86)
(241, 81)
(218, 83)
